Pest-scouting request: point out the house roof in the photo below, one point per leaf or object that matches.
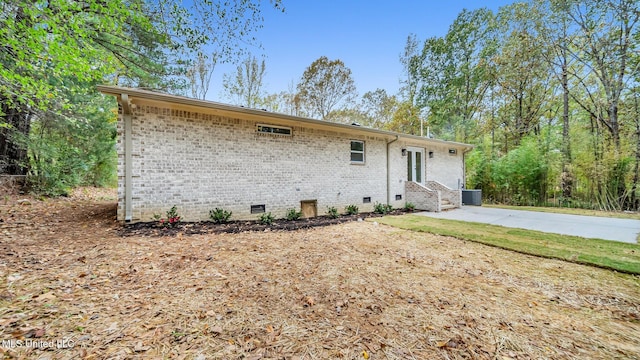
(139, 96)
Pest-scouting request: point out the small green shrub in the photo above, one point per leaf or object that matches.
(409, 206)
(293, 214)
(380, 208)
(172, 220)
(219, 216)
(266, 218)
(351, 209)
(332, 212)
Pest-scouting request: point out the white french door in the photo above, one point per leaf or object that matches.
(415, 164)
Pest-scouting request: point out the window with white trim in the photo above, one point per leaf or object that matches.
(357, 152)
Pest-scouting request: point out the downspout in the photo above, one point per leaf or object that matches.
(388, 170)
(464, 166)
(128, 145)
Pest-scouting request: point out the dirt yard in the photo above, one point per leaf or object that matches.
(74, 287)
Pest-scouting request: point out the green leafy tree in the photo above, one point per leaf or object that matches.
(406, 119)
(545, 89)
(521, 72)
(558, 39)
(53, 51)
(348, 116)
(606, 44)
(451, 75)
(379, 108)
(470, 44)
(46, 50)
(66, 151)
(325, 84)
(411, 63)
(407, 116)
(433, 74)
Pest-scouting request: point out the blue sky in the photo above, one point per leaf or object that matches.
(368, 36)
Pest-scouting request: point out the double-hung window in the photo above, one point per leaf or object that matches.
(357, 152)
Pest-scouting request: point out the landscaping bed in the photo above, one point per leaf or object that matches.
(237, 226)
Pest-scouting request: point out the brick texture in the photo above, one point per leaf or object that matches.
(422, 197)
(454, 196)
(202, 161)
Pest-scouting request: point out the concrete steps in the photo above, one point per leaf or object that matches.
(446, 205)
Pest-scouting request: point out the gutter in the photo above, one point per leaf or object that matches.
(128, 156)
(388, 171)
(205, 104)
(464, 165)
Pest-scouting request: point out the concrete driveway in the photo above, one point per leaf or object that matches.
(584, 226)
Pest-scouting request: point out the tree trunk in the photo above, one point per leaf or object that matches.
(634, 202)
(614, 125)
(621, 189)
(13, 139)
(598, 173)
(567, 176)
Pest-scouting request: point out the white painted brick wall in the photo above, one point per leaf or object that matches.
(442, 167)
(201, 161)
(422, 197)
(445, 168)
(454, 196)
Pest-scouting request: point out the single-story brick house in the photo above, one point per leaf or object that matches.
(200, 155)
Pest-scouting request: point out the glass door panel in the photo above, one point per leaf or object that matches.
(415, 164)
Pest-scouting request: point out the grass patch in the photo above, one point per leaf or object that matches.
(623, 257)
(571, 211)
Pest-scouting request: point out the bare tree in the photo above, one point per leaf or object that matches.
(606, 30)
(245, 87)
(199, 74)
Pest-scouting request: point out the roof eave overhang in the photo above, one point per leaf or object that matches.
(127, 96)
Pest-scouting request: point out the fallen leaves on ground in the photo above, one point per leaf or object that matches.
(355, 290)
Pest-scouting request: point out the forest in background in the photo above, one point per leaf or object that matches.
(548, 93)
(54, 126)
(547, 90)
